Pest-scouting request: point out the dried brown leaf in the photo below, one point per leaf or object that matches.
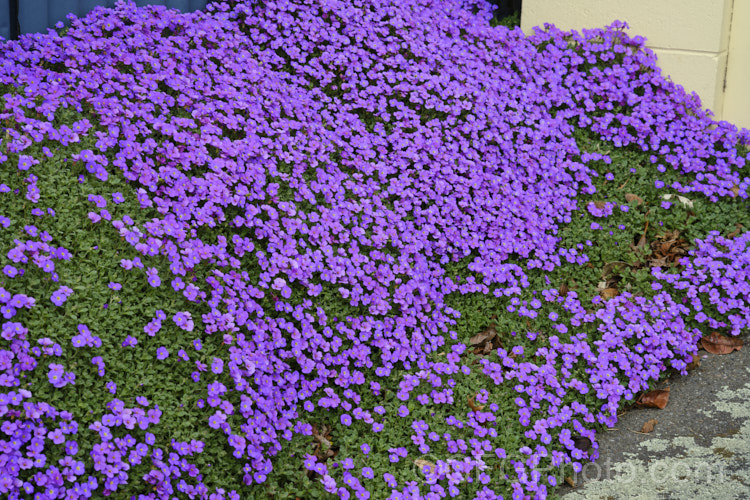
(570, 481)
(719, 344)
(563, 291)
(600, 204)
(660, 262)
(649, 426)
(634, 198)
(735, 190)
(613, 267)
(641, 242)
(322, 439)
(736, 232)
(695, 363)
(657, 398)
(424, 466)
(609, 293)
(496, 343)
(483, 336)
(472, 405)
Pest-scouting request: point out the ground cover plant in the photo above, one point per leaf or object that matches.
(354, 249)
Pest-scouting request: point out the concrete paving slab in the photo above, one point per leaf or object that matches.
(700, 447)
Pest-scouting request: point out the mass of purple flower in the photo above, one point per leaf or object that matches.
(356, 149)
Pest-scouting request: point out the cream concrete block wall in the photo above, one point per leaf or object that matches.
(691, 39)
(737, 99)
(699, 72)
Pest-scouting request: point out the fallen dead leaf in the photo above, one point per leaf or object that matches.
(681, 199)
(425, 466)
(735, 190)
(485, 341)
(649, 426)
(570, 481)
(657, 398)
(739, 227)
(634, 198)
(563, 291)
(472, 405)
(609, 293)
(641, 242)
(719, 344)
(600, 204)
(482, 337)
(667, 250)
(695, 363)
(324, 448)
(613, 268)
(325, 444)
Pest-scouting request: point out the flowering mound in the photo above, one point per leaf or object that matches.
(296, 208)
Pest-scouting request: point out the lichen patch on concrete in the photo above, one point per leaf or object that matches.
(683, 468)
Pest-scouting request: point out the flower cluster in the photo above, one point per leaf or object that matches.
(359, 151)
(718, 269)
(40, 253)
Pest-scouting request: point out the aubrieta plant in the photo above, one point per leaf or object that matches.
(346, 249)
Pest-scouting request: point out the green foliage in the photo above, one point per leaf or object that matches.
(97, 250)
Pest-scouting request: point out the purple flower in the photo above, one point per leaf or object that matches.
(217, 365)
(58, 298)
(328, 483)
(346, 420)
(56, 375)
(99, 363)
(25, 162)
(217, 419)
(184, 320)
(152, 327)
(130, 341)
(162, 353)
(390, 480)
